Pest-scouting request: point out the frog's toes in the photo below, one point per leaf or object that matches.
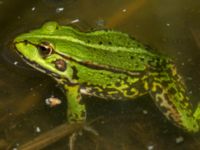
(72, 140)
(90, 130)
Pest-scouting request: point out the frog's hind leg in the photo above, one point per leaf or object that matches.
(169, 94)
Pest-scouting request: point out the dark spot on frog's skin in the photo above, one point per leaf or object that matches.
(125, 80)
(165, 83)
(109, 84)
(142, 59)
(57, 27)
(129, 92)
(138, 45)
(150, 61)
(110, 77)
(88, 41)
(60, 65)
(159, 89)
(117, 84)
(100, 42)
(172, 91)
(110, 43)
(166, 97)
(131, 57)
(75, 72)
(136, 65)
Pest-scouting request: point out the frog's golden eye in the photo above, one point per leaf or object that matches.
(45, 49)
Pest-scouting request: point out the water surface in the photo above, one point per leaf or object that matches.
(171, 27)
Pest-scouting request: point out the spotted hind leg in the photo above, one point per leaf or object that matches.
(169, 94)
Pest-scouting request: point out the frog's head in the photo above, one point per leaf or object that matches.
(38, 50)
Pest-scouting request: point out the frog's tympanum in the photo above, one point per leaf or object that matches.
(110, 65)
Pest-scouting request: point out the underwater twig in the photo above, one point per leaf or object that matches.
(196, 35)
(51, 136)
(54, 135)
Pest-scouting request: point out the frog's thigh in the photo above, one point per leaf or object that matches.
(75, 111)
(172, 100)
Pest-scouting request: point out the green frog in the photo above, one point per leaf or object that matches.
(110, 65)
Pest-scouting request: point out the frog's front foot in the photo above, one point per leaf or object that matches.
(86, 128)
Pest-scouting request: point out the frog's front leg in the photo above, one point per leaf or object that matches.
(169, 94)
(76, 111)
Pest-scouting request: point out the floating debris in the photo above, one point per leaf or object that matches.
(179, 139)
(183, 64)
(75, 20)
(37, 129)
(33, 8)
(190, 92)
(189, 59)
(150, 147)
(179, 53)
(15, 63)
(59, 9)
(145, 112)
(100, 22)
(16, 146)
(124, 10)
(168, 24)
(53, 101)
(189, 78)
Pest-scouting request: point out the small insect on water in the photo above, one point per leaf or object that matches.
(53, 101)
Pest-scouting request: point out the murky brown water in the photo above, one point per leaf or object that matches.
(172, 27)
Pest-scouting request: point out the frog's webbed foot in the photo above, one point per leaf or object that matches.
(73, 138)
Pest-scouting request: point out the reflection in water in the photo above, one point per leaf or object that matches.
(129, 9)
(172, 27)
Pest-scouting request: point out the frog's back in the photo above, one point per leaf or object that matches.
(105, 47)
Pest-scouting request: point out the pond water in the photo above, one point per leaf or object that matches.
(171, 27)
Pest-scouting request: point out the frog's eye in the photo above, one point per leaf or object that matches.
(45, 49)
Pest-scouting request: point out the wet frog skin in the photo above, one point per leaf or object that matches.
(110, 65)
